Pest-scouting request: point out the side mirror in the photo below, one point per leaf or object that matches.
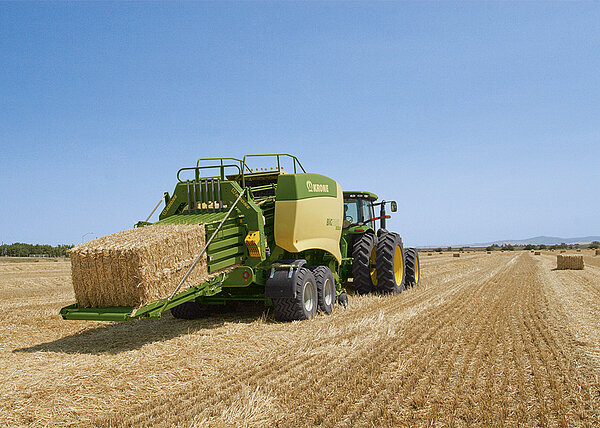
(393, 206)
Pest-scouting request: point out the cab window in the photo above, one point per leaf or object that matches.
(367, 211)
(350, 212)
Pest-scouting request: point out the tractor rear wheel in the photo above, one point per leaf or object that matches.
(363, 265)
(325, 288)
(190, 311)
(413, 275)
(304, 305)
(391, 270)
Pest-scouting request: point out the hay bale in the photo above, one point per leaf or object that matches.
(563, 251)
(598, 252)
(137, 266)
(564, 262)
(536, 253)
(456, 255)
(489, 252)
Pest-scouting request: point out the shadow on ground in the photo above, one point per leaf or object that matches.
(120, 337)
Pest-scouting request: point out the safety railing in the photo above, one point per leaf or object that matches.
(242, 170)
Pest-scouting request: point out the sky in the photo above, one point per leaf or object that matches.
(481, 119)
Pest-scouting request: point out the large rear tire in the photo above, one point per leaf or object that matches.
(391, 272)
(413, 268)
(325, 288)
(364, 270)
(304, 305)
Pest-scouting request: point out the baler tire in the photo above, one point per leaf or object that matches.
(190, 311)
(365, 276)
(413, 268)
(325, 288)
(391, 269)
(295, 308)
(343, 300)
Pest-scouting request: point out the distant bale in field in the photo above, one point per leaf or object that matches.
(489, 252)
(430, 254)
(564, 262)
(563, 251)
(456, 255)
(579, 251)
(536, 253)
(134, 267)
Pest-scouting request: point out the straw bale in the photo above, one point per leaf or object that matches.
(489, 252)
(537, 253)
(569, 262)
(598, 252)
(456, 255)
(137, 266)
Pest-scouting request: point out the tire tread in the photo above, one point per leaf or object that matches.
(361, 265)
(385, 263)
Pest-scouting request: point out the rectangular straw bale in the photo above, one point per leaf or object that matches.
(456, 255)
(489, 252)
(598, 252)
(537, 253)
(137, 266)
(569, 262)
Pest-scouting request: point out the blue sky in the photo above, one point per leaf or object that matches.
(481, 119)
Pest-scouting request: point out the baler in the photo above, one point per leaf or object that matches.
(295, 240)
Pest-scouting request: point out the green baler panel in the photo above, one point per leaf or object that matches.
(228, 246)
(292, 187)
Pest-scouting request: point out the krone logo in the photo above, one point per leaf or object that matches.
(317, 188)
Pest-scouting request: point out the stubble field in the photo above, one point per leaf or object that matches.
(487, 339)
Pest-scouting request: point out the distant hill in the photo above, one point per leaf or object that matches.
(547, 240)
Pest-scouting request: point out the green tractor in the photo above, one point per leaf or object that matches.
(291, 241)
(380, 263)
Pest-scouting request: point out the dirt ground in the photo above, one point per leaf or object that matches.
(487, 339)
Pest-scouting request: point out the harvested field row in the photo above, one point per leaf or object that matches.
(486, 339)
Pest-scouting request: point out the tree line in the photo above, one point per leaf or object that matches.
(509, 247)
(19, 249)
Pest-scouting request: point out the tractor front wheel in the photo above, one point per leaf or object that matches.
(391, 270)
(363, 266)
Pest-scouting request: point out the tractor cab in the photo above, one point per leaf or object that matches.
(358, 210)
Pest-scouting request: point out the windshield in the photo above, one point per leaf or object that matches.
(357, 211)
(350, 212)
(367, 211)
